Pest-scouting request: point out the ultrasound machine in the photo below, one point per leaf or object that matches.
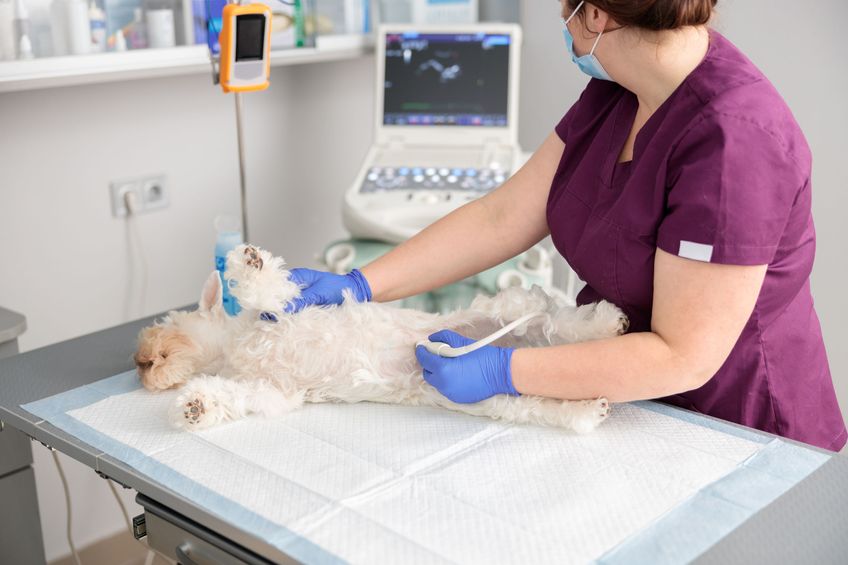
(446, 127)
(446, 133)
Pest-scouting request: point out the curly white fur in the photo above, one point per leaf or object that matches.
(233, 367)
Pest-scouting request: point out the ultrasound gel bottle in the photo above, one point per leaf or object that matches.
(228, 238)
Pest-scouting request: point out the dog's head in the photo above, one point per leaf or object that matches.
(183, 343)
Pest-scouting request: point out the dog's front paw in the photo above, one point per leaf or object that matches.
(252, 257)
(258, 280)
(195, 411)
(590, 414)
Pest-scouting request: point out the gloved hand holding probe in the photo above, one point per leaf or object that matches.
(472, 377)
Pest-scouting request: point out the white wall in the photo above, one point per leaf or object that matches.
(64, 257)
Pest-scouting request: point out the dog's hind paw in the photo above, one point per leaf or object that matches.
(610, 319)
(590, 414)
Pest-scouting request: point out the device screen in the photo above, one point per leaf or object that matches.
(250, 37)
(446, 79)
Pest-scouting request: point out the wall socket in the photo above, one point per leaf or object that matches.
(151, 193)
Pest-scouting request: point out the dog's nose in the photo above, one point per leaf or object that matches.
(142, 363)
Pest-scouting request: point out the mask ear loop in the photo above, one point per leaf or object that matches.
(577, 9)
(592, 52)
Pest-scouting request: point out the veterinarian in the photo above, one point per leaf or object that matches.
(678, 187)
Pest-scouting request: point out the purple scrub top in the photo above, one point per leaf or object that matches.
(720, 173)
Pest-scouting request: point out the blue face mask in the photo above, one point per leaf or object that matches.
(588, 63)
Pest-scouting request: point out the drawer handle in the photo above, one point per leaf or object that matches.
(183, 552)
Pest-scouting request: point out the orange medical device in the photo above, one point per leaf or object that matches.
(245, 47)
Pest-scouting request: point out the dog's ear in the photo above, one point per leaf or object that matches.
(211, 298)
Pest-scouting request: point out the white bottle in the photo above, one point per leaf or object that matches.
(25, 48)
(354, 17)
(59, 27)
(7, 30)
(21, 24)
(160, 29)
(97, 23)
(79, 30)
(120, 41)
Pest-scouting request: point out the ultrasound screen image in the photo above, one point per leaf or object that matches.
(446, 79)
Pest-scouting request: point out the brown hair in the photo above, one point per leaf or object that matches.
(654, 15)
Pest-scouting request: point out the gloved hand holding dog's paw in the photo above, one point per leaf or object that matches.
(472, 377)
(320, 288)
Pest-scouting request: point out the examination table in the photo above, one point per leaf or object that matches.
(787, 503)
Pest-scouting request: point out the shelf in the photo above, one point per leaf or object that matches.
(151, 63)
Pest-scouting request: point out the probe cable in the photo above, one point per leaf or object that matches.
(67, 506)
(151, 553)
(445, 350)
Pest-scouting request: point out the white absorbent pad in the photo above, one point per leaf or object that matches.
(368, 483)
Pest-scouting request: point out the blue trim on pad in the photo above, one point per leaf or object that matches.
(54, 409)
(709, 514)
(719, 508)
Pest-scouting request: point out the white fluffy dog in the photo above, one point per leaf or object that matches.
(231, 367)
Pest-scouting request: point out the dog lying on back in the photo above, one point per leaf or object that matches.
(231, 367)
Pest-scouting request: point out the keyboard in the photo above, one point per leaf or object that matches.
(382, 179)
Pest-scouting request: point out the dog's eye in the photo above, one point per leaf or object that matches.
(163, 355)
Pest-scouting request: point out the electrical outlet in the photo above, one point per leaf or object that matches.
(154, 194)
(119, 191)
(150, 194)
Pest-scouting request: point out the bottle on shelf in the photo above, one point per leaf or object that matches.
(79, 29)
(7, 30)
(97, 24)
(161, 29)
(138, 31)
(120, 41)
(59, 27)
(21, 28)
(25, 48)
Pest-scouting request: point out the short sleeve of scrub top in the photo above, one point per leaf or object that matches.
(731, 189)
(720, 173)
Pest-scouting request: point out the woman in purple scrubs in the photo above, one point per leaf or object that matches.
(678, 187)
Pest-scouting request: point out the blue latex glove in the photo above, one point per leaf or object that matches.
(469, 378)
(320, 288)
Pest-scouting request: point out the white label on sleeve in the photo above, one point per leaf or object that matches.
(696, 251)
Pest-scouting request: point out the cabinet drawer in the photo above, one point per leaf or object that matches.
(15, 451)
(20, 528)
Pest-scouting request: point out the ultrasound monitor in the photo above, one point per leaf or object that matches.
(447, 79)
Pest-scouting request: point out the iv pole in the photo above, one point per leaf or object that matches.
(214, 59)
(241, 166)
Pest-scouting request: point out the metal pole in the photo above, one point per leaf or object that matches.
(241, 168)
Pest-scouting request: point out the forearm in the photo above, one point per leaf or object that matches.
(471, 239)
(631, 367)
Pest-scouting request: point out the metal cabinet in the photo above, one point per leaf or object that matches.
(20, 526)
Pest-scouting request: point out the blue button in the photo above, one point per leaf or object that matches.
(471, 172)
(417, 171)
(457, 172)
(403, 171)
